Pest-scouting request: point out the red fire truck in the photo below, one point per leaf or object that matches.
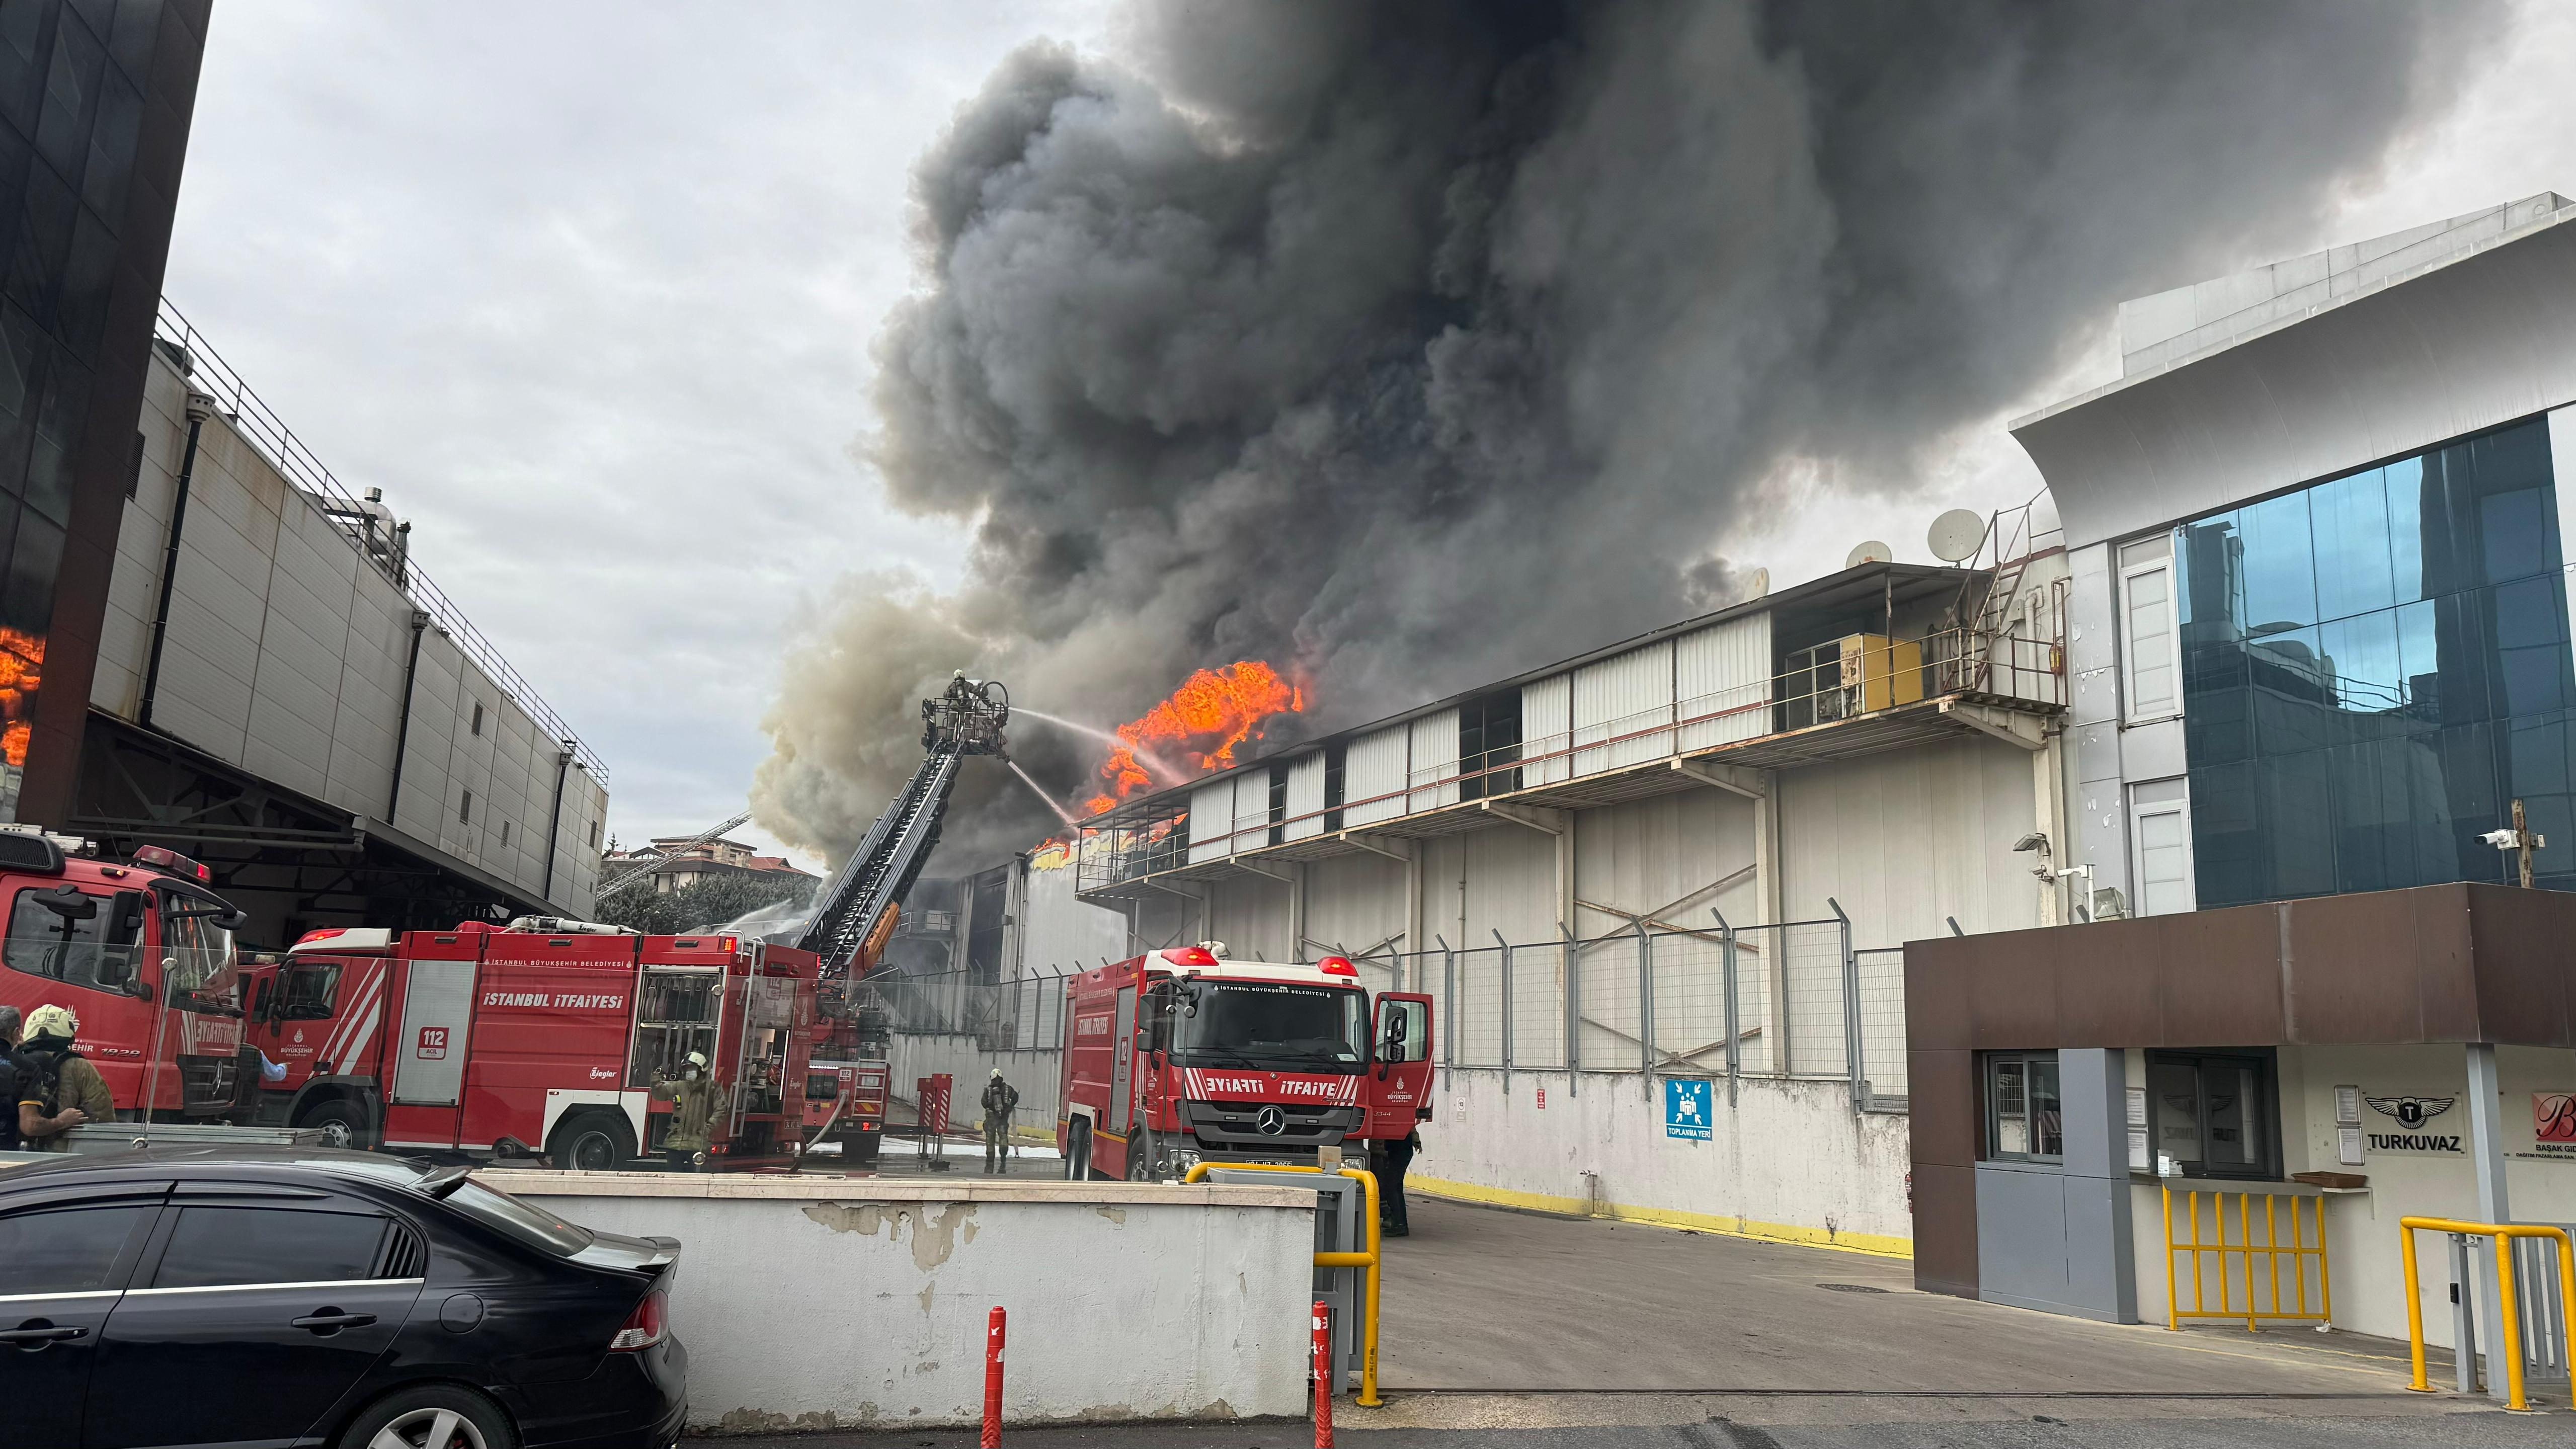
(142, 952)
(1183, 1056)
(550, 1038)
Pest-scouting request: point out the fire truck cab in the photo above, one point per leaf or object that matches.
(512, 1041)
(142, 952)
(1183, 1056)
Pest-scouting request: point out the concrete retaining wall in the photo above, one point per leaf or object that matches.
(816, 1303)
(1788, 1161)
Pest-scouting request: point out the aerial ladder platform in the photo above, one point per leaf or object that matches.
(856, 910)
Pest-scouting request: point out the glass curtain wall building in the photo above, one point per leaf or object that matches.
(2373, 668)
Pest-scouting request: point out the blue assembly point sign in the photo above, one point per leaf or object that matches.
(1687, 1108)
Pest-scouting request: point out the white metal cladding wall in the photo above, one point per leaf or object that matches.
(1211, 821)
(1547, 730)
(1434, 770)
(1355, 903)
(1166, 920)
(1722, 680)
(428, 797)
(1058, 928)
(578, 840)
(210, 653)
(286, 652)
(1251, 810)
(1906, 838)
(1373, 775)
(1511, 884)
(1662, 854)
(134, 585)
(1627, 698)
(1306, 796)
(1249, 913)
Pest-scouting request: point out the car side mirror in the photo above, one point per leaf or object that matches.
(113, 970)
(140, 989)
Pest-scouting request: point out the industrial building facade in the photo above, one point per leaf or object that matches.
(1684, 858)
(2318, 642)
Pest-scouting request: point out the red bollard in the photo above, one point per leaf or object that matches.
(1323, 1375)
(993, 1381)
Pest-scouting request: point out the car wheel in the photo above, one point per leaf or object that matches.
(433, 1416)
(1077, 1151)
(591, 1142)
(343, 1124)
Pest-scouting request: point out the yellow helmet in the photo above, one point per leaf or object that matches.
(59, 1021)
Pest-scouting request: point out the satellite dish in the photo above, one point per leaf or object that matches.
(1757, 584)
(1956, 535)
(1868, 551)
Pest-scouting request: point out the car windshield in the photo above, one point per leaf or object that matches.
(1271, 1025)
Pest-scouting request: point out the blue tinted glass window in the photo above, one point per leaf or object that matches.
(2374, 668)
(2280, 571)
(2354, 570)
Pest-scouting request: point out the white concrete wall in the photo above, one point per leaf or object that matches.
(818, 1303)
(1788, 1160)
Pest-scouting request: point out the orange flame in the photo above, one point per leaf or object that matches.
(1213, 711)
(22, 664)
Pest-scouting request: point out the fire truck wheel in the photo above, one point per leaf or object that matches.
(414, 1416)
(591, 1142)
(343, 1124)
(1077, 1151)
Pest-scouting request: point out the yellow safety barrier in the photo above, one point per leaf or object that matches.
(1369, 1260)
(2504, 1234)
(2272, 1250)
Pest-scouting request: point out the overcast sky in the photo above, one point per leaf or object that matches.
(587, 289)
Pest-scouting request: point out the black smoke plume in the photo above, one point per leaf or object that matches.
(1418, 343)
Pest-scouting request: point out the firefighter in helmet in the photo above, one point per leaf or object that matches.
(1000, 1099)
(695, 1100)
(59, 1089)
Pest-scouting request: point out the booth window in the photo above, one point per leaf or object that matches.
(2214, 1113)
(2022, 1119)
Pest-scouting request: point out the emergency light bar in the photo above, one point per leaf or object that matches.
(162, 858)
(1199, 956)
(1337, 966)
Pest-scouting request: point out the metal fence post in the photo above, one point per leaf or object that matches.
(1448, 1008)
(1726, 960)
(1573, 1010)
(1851, 1012)
(1645, 1001)
(1507, 1011)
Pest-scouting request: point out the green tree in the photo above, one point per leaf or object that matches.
(713, 901)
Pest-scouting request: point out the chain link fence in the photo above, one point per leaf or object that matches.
(1794, 1000)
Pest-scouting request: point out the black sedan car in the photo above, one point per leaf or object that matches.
(230, 1295)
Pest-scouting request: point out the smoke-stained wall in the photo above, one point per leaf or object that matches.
(1341, 334)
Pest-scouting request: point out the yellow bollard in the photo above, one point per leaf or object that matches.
(2511, 1348)
(1368, 1260)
